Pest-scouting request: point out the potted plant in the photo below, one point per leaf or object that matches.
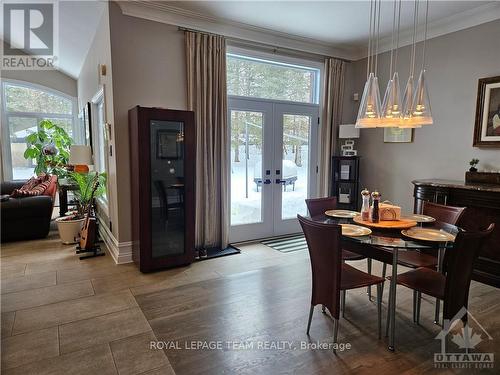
(473, 164)
(49, 146)
(70, 225)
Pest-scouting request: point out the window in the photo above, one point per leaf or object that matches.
(259, 78)
(24, 107)
(100, 143)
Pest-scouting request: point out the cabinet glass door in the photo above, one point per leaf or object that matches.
(167, 188)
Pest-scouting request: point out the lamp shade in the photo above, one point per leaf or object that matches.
(348, 131)
(80, 155)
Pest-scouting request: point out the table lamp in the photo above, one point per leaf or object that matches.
(348, 132)
(80, 156)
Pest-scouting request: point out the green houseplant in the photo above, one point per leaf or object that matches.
(69, 226)
(49, 147)
(473, 164)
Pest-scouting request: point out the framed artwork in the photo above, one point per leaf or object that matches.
(487, 126)
(167, 146)
(397, 135)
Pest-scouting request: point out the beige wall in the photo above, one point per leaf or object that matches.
(454, 64)
(89, 83)
(53, 79)
(149, 70)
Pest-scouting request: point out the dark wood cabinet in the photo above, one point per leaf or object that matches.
(345, 182)
(162, 170)
(483, 207)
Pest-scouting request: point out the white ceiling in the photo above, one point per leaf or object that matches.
(78, 21)
(342, 24)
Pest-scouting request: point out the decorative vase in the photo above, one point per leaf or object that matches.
(69, 229)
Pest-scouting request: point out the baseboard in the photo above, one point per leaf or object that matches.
(121, 252)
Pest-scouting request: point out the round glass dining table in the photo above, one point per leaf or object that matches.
(384, 245)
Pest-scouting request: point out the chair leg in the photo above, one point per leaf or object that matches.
(323, 309)
(417, 313)
(335, 333)
(384, 272)
(436, 313)
(379, 308)
(414, 306)
(310, 319)
(389, 306)
(342, 303)
(369, 266)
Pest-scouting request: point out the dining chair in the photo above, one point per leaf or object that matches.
(451, 286)
(416, 259)
(318, 206)
(331, 275)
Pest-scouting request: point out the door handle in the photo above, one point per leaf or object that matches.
(278, 181)
(267, 181)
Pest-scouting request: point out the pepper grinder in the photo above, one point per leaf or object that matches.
(375, 218)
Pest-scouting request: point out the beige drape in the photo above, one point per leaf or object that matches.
(207, 97)
(332, 116)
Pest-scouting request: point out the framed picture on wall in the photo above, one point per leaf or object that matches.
(167, 146)
(487, 126)
(397, 135)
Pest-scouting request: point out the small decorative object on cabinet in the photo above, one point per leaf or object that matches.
(162, 148)
(345, 181)
(473, 163)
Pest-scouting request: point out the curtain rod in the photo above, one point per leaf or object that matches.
(274, 49)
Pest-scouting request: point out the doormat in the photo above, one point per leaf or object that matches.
(215, 252)
(287, 244)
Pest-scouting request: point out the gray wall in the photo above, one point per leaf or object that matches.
(149, 69)
(455, 62)
(89, 84)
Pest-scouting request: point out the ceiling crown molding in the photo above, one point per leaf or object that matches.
(166, 13)
(456, 22)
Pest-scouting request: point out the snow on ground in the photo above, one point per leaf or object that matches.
(245, 210)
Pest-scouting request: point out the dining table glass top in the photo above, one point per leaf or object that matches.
(393, 237)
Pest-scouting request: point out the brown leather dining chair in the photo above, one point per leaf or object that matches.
(330, 274)
(318, 206)
(451, 286)
(444, 214)
(415, 259)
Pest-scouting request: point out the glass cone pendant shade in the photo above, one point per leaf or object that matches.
(421, 105)
(407, 120)
(369, 108)
(391, 106)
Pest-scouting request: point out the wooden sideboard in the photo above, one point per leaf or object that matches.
(483, 207)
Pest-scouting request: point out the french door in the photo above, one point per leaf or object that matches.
(273, 166)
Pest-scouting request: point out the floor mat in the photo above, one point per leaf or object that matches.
(287, 244)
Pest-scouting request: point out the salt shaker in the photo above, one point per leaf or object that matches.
(365, 208)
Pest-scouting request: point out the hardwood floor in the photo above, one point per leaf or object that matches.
(60, 314)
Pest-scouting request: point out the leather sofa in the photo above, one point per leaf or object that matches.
(26, 218)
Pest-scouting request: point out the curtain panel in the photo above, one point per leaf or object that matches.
(207, 97)
(332, 117)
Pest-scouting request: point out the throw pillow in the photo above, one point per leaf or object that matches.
(34, 186)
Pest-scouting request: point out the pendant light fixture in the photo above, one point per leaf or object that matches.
(369, 109)
(407, 120)
(391, 106)
(421, 106)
